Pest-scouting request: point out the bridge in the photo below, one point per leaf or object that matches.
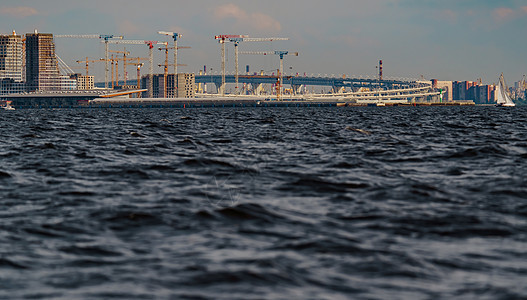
(338, 84)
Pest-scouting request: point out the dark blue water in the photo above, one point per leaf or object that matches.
(264, 203)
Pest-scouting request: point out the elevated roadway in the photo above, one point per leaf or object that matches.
(336, 83)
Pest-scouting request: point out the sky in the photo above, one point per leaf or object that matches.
(431, 39)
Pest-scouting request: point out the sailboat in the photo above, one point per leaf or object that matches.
(503, 97)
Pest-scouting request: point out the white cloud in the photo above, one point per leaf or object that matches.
(503, 13)
(256, 20)
(19, 11)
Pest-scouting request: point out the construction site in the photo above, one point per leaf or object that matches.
(30, 66)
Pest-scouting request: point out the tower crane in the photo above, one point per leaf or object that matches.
(175, 36)
(125, 55)
(87, 61)
(236, 39)
(279, 53)
(106, 37)
(150, 45)
(139, 65)
(222, 39)
(166, 69)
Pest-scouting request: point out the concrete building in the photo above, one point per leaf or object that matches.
(11, 64)
(84, 82)
(185, 86)
(445, 87)
(462, 91)
(42, 71)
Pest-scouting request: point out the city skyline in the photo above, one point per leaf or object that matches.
(447, 40)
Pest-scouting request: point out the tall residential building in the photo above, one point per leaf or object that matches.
(42, 71)
(11, 57)
(186, 85)
(11, 64)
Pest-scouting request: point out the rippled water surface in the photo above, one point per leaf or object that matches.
(264, 203)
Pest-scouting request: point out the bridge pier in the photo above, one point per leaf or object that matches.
(297, 88)
(259, 89)
(338, 89)
(221, 88)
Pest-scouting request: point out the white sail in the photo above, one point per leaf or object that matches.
(503, 97)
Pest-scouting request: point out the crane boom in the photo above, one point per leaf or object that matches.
(280, 53)
(236, 39)
(150, 45)
(105, 37)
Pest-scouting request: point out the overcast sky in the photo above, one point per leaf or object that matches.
(443, 39)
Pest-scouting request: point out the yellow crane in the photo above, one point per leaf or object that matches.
(166, 65)
(125, 55)
(87, 62)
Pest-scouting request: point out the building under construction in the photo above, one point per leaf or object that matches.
(185, 86)
(11, 64)
(42, 70)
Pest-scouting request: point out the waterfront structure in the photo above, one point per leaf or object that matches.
(445, 87)
(42, 71)
(470, 90)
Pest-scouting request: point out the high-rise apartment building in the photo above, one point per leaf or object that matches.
(42, 71)
(11, 64)
(11, 57)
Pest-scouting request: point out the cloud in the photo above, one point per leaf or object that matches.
(258, 21)
(127, 27)
(503, 14)
(19, 11)
(449, 15)
(230, 11)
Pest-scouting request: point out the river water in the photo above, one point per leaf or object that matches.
(264, 203)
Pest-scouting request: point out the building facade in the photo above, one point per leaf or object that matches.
(445, 87)
(469, 90)
(42, 71)
(11, 64)
(84, 82)
(185, 86)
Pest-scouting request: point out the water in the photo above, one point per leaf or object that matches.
(264, 203)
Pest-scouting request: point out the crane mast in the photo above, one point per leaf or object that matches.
(150, 45)
(106, 37)
(281, 54)
(236, 39)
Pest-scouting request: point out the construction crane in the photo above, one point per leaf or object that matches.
(139, 65)
(125, 55)
(222, 39)
(175, 36)
(126, 61)
(87, 61)
(279, 53)
(106, 37)
(236, 39)
(166, 69)
(150, 45)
